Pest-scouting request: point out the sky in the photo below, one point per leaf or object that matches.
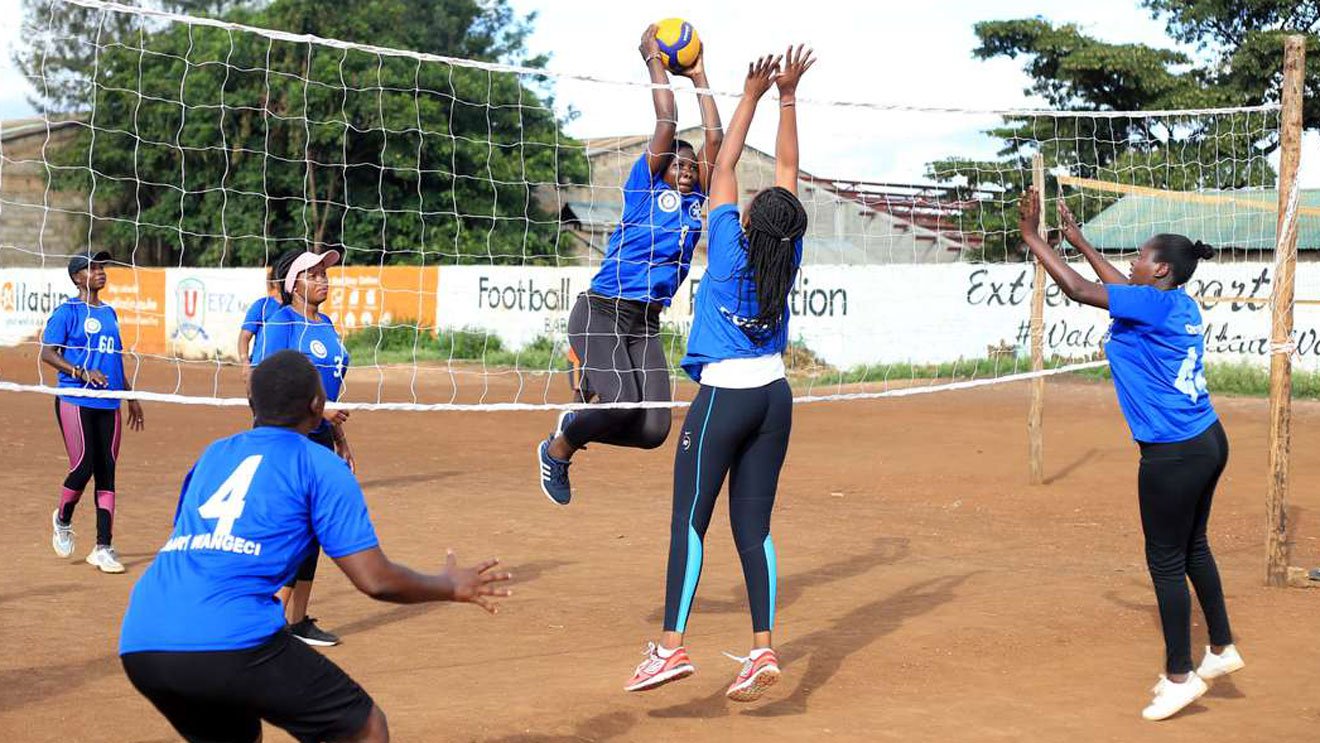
(912, 54)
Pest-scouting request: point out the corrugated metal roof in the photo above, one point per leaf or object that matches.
(1226, 225)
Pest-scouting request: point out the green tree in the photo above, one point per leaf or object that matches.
(212, 147)
(1239, 62)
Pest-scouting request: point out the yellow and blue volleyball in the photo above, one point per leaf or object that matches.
(679, 43)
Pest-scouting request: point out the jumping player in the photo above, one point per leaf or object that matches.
(300, 326)
(81, 342)
(249, 336)
(203, 638)
(1155, 349)
(739, 422)
(614, 328)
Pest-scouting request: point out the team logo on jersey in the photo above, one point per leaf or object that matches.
(694, 211)
(191, 298)
(91, 326)
(318, 349)
(669, 201)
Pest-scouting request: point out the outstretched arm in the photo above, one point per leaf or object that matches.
(1077, 287)
(385, 580)
(796, 62)
(661, 147)
(1072, 232)
(724, 179)
(710, 121)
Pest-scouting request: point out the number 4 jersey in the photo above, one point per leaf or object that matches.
(1156, 348)
(252, 508)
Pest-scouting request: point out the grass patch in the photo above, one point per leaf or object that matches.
(406, 344)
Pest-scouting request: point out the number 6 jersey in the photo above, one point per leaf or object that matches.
(252, 508)
(1156, 348)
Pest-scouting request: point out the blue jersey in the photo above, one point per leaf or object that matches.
(318, 341)
(726, 300)
(88, 336)
(650, 251)
(252, 509)
(258, 314)
(1156, 347)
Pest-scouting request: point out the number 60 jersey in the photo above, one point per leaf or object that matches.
(252, 508)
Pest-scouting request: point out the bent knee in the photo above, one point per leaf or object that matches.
(655, 428)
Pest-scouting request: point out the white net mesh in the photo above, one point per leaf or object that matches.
(199, 151)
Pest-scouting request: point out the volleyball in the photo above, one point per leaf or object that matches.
(679, 43)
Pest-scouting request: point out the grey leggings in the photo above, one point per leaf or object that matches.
(618, 356)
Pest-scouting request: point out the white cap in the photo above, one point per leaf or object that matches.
(306, 261)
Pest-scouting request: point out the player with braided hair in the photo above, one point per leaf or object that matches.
(740, 421)
(1155, 348)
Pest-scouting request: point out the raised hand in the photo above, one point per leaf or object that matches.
(1072, 231)
(697, 68)
(475, 585)
(760, 74)
(649, 48)
(1029, 213)
(796, 63)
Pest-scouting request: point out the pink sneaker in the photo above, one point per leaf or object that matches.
(759, 672)
(657, 670)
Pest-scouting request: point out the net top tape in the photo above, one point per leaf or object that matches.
(537, 72)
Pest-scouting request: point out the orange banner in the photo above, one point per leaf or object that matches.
(138, 296)
(361, 296)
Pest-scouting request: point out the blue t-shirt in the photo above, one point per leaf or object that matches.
(650, 252)
(726, 300)
(1156, 348)
(252, 509)
(318, 341)
(258, 314)
(88, 336)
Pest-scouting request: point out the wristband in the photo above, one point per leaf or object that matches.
(653, 55)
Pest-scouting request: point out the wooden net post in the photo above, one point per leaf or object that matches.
(1285, 262)
(1035, 418)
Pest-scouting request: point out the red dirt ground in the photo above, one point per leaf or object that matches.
(926, 592)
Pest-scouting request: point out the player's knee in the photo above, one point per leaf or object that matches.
(376, 730)
(655, 428)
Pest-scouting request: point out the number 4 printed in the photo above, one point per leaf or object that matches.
(226, 503)
(1190, 382)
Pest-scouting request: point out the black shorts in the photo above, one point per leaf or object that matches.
(224, 695)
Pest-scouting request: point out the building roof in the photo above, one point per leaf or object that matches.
(1228, 220)
(18, 128)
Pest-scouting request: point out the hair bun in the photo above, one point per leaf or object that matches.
(1203, 251)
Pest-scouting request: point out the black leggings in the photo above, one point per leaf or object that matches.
(307, 569)
(1176, 485)
(618, 356)
(743, 433)
(91, 438)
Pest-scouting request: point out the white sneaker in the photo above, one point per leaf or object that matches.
(105, 559)
(1171, 697)
(62, 538)
(1213, 666)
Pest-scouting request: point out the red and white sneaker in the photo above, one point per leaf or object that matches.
(759, 672)
(658, 670)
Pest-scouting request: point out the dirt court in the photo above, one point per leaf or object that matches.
(926, 592)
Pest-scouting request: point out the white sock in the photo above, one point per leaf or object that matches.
(756, 652)
(664, 652)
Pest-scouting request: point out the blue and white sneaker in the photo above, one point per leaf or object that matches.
(565, 418)
(554, 475)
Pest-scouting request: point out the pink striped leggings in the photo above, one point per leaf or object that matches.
(91, 437)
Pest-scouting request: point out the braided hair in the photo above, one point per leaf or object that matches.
(775, 221)
(1181, 254)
